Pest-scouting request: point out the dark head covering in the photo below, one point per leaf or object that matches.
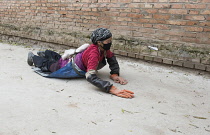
(100, 34)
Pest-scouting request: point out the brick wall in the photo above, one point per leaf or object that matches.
(180, 29)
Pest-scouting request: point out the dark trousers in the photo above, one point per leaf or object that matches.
(44, 63)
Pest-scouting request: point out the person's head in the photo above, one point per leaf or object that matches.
(102, 37)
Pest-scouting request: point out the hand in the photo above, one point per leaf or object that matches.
(121, 93)
(118, 79)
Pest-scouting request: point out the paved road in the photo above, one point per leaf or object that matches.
(168, 101)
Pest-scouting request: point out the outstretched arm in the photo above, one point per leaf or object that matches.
(96, 81)
(107, 86)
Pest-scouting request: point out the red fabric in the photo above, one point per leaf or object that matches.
(93, 55)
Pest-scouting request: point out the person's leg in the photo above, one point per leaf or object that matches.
(54, 67)
(52, 56)
(42, 63)
(41, 54)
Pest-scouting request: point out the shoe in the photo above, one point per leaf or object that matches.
(30, 59)
(41, 53)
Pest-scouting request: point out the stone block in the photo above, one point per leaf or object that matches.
(123, 53)
(178, 63)
(140, 56)
(167, 61)
(208, 68)
(157, 59)
(154, 53)
(200, 66)
(189, 64)
(133, 55)
(116, 52)
(148, 58)
(205, 61)
(197, 60)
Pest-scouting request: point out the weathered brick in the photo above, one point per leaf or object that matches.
(62, 12)
(26, 5)
(124, 19)
(177, 6)
(147, 25)
(175, 38)
(195, 12)
(161, 16)
(192, 23)
(146, 30)
(206, 30)
(160, 26)
(195, 6)
(50, 11)
(197, 29)
(134, 15)
(177, 11)
(207, 18)
(151, 11)
(188, 39)
(148, 5)
(194, 17)
(176, 22)
(162, 37)
(160, 5)
(205, 24)
(135, 5)
(204, 1)
(135, 24)
(163, 11)
(205, 12)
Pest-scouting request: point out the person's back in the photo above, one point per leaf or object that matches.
(93, 56)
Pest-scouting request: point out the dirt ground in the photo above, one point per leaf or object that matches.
(168, 100)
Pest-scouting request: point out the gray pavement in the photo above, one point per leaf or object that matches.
(168, 100)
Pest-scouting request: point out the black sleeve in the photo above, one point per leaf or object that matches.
(105, 85)
(113, 65)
